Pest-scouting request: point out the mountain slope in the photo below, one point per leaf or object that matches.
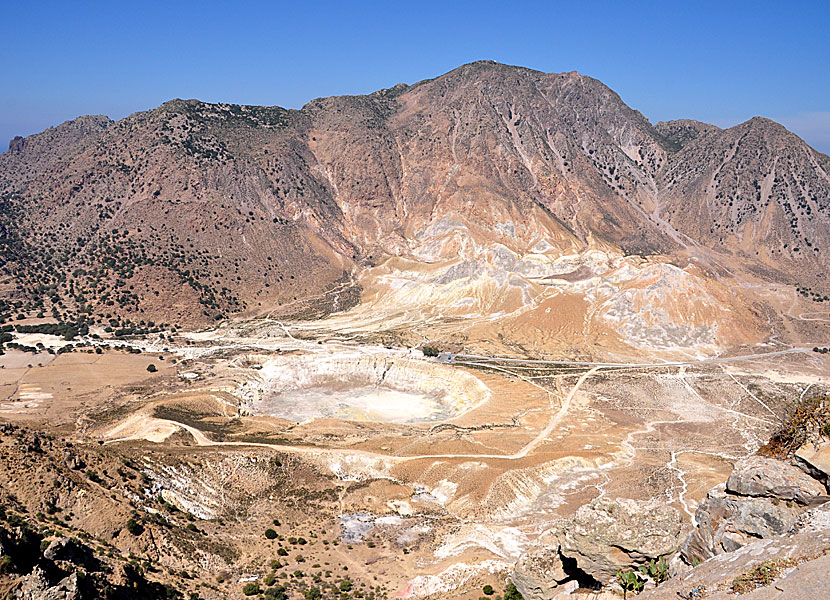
(193, 212)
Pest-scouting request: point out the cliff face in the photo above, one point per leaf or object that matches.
(197, 211)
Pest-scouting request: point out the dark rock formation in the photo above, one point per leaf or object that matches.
(16, 145)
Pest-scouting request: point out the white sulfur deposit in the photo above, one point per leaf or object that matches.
(384, 388)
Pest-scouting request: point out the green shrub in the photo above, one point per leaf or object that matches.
(276, 593)
(488, 590)
(135, 527)
(657, 570)
(629, 581)
(511, 593)
(251, 589)
(270, 534)
(152, 368)
(430, 351)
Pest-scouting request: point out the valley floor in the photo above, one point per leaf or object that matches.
(437, 494)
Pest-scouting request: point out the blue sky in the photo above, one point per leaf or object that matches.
(721, 62)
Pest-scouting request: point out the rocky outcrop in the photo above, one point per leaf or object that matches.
(762, 498)
(16, 144)
(67, 569)
(726, 522)
(68, 550)
(768, 510)
(799, 560)
(770, 478)
(595, 543)
(39, 586)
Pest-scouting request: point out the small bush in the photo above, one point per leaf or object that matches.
(270, 534)
(488, 590)
(511, 593)
(276, 593)
(135, 527)
(152, 368)
(760, 575)
(251, 589)
(657, 570)
(430, 351)
(806, 421)
(629, 581)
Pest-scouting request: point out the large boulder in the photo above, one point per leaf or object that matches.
(39, 585)
(539, 571)
(768, 477)
(596, 542)
(801, 554)
(725, 522)
(606, 536)
(763, 498)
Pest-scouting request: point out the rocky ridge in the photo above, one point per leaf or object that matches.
(241, 210)
(769, 515)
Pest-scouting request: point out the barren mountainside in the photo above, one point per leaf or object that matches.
(192, 212)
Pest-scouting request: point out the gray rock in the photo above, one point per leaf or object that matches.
(16, 144)
(539, 571)
(806, 545)
(727, 522)
(598, 540)
(74, 462)
(760, 476)
(37, 586)
(609, 535)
